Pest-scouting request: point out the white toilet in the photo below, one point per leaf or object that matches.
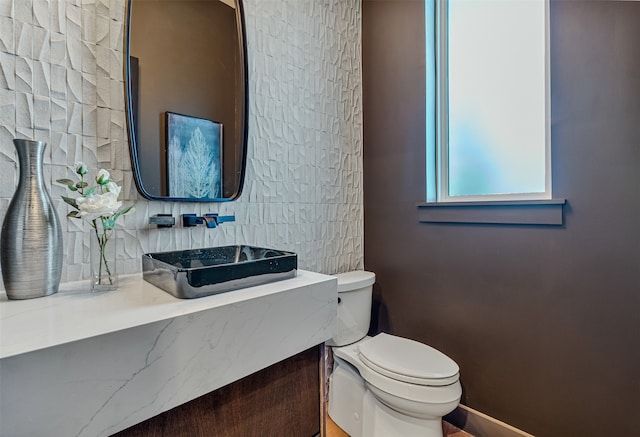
(385, 386)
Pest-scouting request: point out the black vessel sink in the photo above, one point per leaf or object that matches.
(194, 273)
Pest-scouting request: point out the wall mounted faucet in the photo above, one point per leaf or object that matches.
(211, 220)
(163, 220)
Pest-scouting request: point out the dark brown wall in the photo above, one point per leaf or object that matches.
(543, 321)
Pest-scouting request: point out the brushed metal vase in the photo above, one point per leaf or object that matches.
(31, 239)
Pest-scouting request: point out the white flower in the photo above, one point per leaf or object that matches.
(97, 205)
(81, 168)
(112, 187)
(103, 177)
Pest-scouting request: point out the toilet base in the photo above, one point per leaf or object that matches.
(346, 392)
(386, 422)
(355, 409)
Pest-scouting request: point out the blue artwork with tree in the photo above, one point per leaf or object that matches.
(194, 157)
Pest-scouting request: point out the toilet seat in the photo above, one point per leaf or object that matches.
(408, 361)
(433, 394)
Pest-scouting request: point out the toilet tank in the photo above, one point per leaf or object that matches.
(355, 290)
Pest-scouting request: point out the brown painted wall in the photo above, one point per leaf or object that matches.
(543, 321)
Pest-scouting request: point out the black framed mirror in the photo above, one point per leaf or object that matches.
(187, 98)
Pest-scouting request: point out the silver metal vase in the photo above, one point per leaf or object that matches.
(31, 239)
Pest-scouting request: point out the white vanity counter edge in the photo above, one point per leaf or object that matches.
(91, 364)
(74, 313)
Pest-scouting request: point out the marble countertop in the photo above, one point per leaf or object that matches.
(123, 356)
(74, 313)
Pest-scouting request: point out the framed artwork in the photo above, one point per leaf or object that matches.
(194, 156)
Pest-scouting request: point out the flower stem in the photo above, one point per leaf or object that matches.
(104, 257)
(103, 239)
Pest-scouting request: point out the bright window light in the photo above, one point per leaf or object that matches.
(491, 122)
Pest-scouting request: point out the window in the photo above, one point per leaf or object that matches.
(488, 109)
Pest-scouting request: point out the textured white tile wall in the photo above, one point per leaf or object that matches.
(61, 82)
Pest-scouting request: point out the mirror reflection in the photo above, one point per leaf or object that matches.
(186, 98)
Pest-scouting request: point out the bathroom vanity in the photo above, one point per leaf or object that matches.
(84, 364)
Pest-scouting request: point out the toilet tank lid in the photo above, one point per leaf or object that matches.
(354, 280)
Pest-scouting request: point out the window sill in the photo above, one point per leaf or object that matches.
(521, 212)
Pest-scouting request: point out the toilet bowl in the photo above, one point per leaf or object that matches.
(385, 386)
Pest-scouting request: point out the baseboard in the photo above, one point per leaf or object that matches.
(480, 425)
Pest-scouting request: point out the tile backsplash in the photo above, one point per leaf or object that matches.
(61, 81)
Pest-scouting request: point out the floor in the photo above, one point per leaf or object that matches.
(448, 430)
(334, 430)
